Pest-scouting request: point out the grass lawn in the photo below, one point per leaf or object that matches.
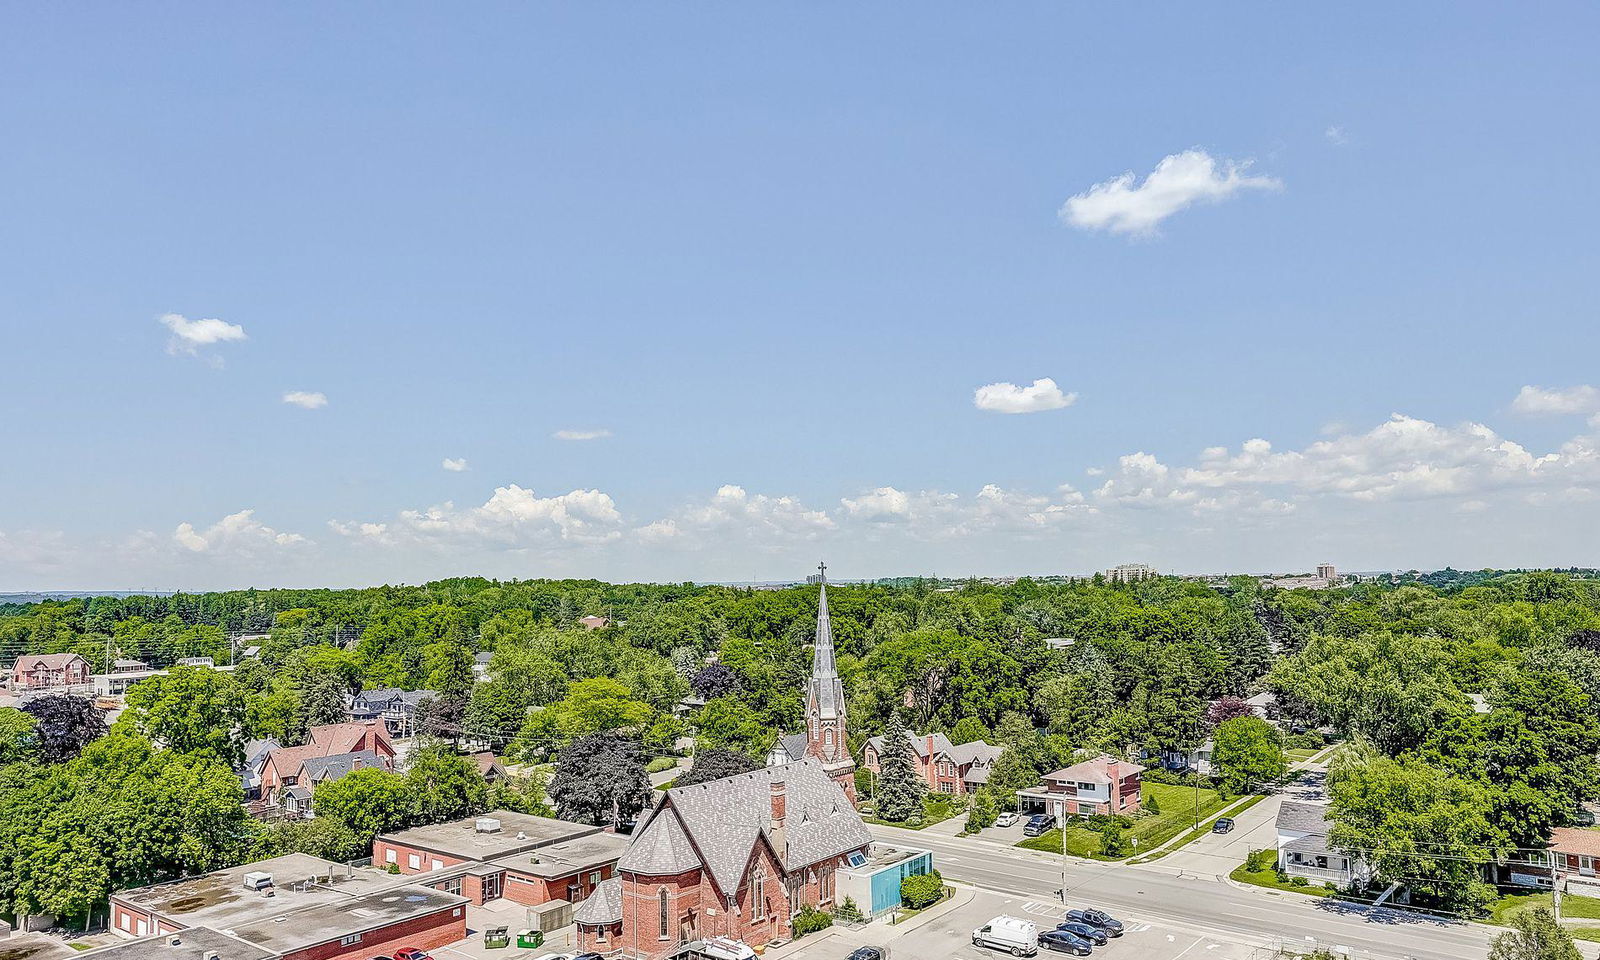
(1572, 906)
(1177, 806)
(1204, 828)
(1269, 878)
(1300, 754)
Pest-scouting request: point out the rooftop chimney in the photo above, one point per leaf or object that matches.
(780, 813)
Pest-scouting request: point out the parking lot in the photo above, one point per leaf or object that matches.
(947, 933)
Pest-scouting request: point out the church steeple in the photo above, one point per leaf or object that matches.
(825, 711)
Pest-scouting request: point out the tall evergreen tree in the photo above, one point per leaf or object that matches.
(899, 787)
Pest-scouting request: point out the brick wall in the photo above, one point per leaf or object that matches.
(426, 859)
(425, 933)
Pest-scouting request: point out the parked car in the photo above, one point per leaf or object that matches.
(1097, 918)
(869, 953)
(1223, 825)
(1087, 931)
(1063, 942)
(1039, 823)
(1020, 938)
(1006, 819)
(410, 953)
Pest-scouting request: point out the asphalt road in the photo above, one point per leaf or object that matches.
(1203, 904)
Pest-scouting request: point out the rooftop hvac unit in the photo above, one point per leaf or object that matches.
(488, 825)
(257, 880)
(211, 955)
(174, 940)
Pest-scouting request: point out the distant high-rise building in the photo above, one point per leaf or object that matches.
(1129, 572)
(1326, 572)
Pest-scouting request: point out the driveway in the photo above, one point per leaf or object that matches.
(1216, 854)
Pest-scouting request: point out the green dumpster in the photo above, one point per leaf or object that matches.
(495, 937)
(530, 938)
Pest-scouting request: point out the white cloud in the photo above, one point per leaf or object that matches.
(236, 533)
(1178, 182)
(1336, 135)
(581, 434)
(1010, 398)
(456, 465)
(734, 513)
(305, 400)
(191, 337)
(1540, 400)
(513, 517)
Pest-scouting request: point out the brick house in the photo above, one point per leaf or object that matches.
(1104, 785)
(288, 776)
(41, 671)
(521, 857)
(943, 766)
(297, 907)
(734, 858)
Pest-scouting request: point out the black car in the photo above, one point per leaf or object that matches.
(1087, 931)
(1063, 942)
(868, 953)
(1223, 825)
(1097, 918)
(1039, 823)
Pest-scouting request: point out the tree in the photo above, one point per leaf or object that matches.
(969, 729)
(728, 723)
(922, 890)
(1223, 709)
(323, 699)
(982, 813)
(714, 764)
(368, 802)
(1113, 843)
(495, 712)
(899, 787)
(1535, 935)
(1248, 750)
(64, 725)
(596, 705)
(443, 785)
(326, 837)
(601, 780)
(193, 710)
(716, 680)
(17, 739)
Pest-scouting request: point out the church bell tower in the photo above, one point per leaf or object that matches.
(825, 713)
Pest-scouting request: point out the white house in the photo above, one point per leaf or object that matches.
(1303, 849)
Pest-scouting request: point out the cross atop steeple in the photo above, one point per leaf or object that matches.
(822, 568)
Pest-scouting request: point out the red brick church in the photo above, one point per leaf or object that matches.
(738, 857)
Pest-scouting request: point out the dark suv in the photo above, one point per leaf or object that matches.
(1037, 824)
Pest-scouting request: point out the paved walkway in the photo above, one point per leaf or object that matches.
(1216, 854)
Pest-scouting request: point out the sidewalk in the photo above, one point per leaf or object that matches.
(879, 932)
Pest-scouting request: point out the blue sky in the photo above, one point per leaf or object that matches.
(773, 252)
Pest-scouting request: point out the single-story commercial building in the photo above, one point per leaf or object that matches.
(296, 907)
(526, 859)
(873, 880)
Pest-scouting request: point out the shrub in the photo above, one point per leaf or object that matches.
(1112, 841)
(1150, 804)
(391, 868)
(848, 911)
(1260, 860)
(660, 763)
(921, 891)
(810, 920)
(1300, 881)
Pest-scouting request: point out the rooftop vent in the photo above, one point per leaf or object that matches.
(211, 955)
(521, 835)
(174, 940)
(487, 825)
(257, 880)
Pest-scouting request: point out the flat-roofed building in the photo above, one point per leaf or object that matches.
(297, 907)
(524, 858)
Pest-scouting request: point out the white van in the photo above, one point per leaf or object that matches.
(1019, 937)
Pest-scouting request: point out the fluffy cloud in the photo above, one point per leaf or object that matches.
(191, 337)
(581, 434)
(236, 533)
(1010, 398)
(513, 517)
(456, 465)
(1404, 458)
(733, 512)
(1336, 135)
(1539, 400)
(1178, 182)
(305, 400)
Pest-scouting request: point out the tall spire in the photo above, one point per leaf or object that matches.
(827, 693)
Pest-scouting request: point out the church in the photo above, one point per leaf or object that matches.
(738, 857)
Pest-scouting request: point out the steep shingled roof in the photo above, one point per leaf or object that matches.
(660, 848)
(603, 906)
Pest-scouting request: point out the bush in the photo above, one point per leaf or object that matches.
(1300, 881)
(848, 911)
(810, 920)
(1151, 805)
(1309, 740)
(1112, 841)
(391, 868)
(1260, 860)
(922, 891)
(660, 763)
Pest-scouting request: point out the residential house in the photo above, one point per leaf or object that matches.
(735, 858)
(1104, 785)
(1574, 857)
(1303, 849)
(44, 671)
(196, 662)
(1263, 705)
(289, 775)
(256, 753)
(489, 765)
(594, 623)
(480, 664)
(125, 665)
(396, 708)
(945, 767)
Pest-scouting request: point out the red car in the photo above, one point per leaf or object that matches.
(410, 953)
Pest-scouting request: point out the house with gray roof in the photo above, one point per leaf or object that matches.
(396, 708)
(944, 766)
(1304, 851)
